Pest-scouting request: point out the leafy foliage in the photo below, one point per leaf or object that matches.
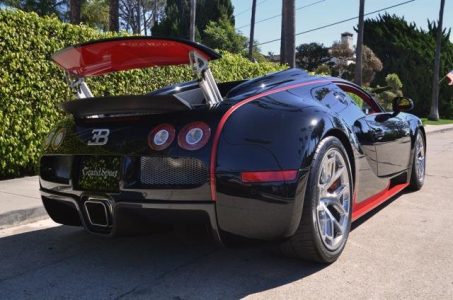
(176, 20)
(223, 35)
(31, 87)
(409, 52)
(311, 56)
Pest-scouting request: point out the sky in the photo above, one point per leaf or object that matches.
(318, 13)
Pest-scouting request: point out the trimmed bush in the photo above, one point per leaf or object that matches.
(31, 86)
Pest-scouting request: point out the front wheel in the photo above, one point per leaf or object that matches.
(326, 217)
(418, 163)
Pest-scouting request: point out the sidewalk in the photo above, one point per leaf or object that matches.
(20, 201)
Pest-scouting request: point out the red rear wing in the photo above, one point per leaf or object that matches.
(120, 54)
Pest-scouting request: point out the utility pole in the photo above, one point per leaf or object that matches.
(252, 30)
(288, 36)
(434, 111)
(359, 47)
(193, 8)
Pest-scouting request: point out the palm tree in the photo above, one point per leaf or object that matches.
(288, 37)
(358, 53)
(434, 112)
(74, 11)
(114, 24)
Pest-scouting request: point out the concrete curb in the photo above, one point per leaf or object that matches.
(439, 130)
(22, 216)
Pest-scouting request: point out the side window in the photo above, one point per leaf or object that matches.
(362, 105)
(328, 95)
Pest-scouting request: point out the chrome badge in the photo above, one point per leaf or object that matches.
(99, 137)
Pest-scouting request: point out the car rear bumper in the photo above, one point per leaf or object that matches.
(127, 217)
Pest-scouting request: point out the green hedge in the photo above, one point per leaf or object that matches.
(31, 87)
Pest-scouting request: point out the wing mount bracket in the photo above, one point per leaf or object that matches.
(79, 86)
(206, 80)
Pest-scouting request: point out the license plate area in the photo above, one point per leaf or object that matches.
(97, 173)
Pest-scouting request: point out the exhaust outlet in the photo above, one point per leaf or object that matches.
(98, 212)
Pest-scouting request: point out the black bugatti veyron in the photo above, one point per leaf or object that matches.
(287, 157)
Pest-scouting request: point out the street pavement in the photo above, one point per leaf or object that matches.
(403, 249)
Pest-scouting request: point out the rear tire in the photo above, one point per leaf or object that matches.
(326, 217)
(418, 163)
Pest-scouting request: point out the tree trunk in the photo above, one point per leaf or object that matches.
(358, 52)
(288, 43)
(74, 11)
(193, 8)
(252, 30)
(114, 24)
(434, 112)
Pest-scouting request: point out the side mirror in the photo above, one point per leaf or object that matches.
(402, 104)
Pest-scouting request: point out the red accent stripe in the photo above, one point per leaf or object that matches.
(227, 115)
(268, 176)
(372, 202)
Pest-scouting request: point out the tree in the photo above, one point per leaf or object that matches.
(175, 21)
(434, 111)
(407, 50)
(75, 9)
(41, 7)
(222, 35)
(311, 56)
(288, 35)
(139, 16)
(359, 46)
(192, 26)
(371, 64)
(343, 57)
(114, 15)
(95, 13)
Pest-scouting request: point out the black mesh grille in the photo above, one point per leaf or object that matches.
(162, 171)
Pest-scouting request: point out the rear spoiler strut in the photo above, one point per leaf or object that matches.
(198, 64)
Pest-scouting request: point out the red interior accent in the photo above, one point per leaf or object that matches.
(365, 206)
(113, 55)
(268, 176)
(204, 140)
(171, 137)
(225, 118)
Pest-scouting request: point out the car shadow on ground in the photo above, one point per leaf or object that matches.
(183, 263)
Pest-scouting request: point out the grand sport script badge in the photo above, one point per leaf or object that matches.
(102, 173)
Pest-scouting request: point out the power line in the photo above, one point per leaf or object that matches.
(339, 22)
(246, 10)
(279, 15)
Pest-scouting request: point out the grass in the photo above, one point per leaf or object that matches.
(440, 122)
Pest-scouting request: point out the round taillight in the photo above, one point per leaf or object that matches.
(58, 138)
(194, 136)
(161, 137)
(49, 138)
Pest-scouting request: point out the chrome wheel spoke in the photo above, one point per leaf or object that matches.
(334, 199)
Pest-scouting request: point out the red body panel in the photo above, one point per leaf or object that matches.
(359, 209)
(106, 56)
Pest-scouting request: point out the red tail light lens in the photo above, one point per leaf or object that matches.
(194, 136)
(160, 137)
(268, 176)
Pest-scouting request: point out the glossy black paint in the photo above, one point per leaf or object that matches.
(277, 131)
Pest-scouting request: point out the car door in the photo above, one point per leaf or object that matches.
(387, 131)
(391, 137)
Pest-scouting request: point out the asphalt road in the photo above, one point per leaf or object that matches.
(401, 250)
